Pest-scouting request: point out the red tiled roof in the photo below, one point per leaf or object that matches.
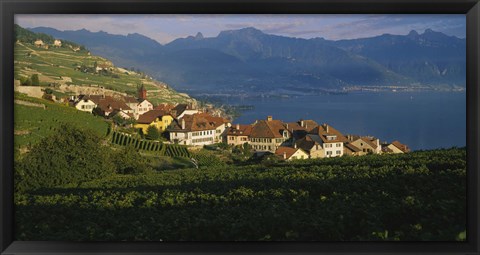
(321, 131)
(268, 129)
(194, 122)
(306, 143)
(164, 107)
(108, 103)
(244, 130)
(370, 142)
(352, 147)
(289, 151)
(130, 100)
(151, 116)
(401, 146)
(217, 121)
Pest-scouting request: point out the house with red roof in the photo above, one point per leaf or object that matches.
(289, 153)
(395, 147)
(323, 141)
(157, 118)
(195, 129)
(238, 134)
(268, 135)
(367, 144)
(106, 105)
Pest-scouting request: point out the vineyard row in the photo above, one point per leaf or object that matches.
(146, 145)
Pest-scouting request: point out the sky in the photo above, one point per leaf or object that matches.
(165, 28)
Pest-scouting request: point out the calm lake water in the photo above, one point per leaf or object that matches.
(422, 120)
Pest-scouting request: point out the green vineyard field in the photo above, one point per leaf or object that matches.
(419, 196)
(170, 150)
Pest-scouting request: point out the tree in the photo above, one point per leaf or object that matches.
(152, 133)
(69, 156)
(35, 80)
(118, 120)
(25, 81)
(129, 161)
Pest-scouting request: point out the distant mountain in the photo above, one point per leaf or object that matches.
(430, 58)
(248, 60)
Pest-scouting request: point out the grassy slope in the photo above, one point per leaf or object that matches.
(33, 123)
(56, 62)
(416, 196)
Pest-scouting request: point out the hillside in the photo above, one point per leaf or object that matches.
(72, 69)
(418, 196)
(36, 119)
(250, 61)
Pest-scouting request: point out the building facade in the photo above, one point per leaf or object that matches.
(267, 135)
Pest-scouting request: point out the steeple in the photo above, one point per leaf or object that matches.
(142, 93)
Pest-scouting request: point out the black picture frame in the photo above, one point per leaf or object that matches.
(8, 8)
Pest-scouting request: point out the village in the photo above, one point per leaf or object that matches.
(184, 125)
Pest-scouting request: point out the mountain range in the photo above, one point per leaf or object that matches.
(250, 61)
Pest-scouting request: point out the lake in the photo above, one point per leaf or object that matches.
(422, 120)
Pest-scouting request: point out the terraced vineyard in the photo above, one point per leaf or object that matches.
(170, 150)
(414, 196)
(33, 123)
(60, 66)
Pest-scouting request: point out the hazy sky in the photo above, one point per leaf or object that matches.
(165, 28)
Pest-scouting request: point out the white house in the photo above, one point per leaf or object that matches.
(57, 43)
(138, 107)
(85, 104)
(325, 142)
(196, 130)
(38, 43)
(220, 124)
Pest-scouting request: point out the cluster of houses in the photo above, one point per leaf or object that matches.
(306, 139)
(56, 43)
(40, 44)
(187, 126)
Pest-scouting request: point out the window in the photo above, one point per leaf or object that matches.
(329, 153)
(338, 152)
(331, 137)
(338, 145)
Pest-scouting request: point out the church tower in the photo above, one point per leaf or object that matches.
(142, 93)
